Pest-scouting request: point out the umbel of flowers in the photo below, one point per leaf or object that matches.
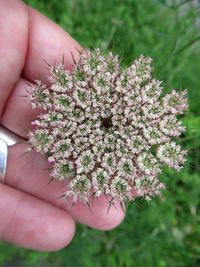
(106, 130)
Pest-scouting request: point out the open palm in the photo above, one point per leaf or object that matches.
(30, 213)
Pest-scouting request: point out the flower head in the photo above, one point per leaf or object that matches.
(106, 130)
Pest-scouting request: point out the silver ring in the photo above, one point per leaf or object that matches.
(7, 138)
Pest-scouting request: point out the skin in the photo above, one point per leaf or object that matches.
(30, 213)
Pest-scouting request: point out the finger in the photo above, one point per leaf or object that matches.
(18, 113)
(49, 42)
(33, 223)
(29, 173)
(13, 45)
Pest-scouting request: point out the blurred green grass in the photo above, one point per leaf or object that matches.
(164, 232)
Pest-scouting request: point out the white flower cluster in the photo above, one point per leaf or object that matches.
(106, 130)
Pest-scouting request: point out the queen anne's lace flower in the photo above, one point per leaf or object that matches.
(171, 155)
(106, 130)
(62, 169)
(100, 182)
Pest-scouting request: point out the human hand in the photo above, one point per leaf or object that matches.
(30, 213)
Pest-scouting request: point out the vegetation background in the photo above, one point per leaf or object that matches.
(164, 232)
